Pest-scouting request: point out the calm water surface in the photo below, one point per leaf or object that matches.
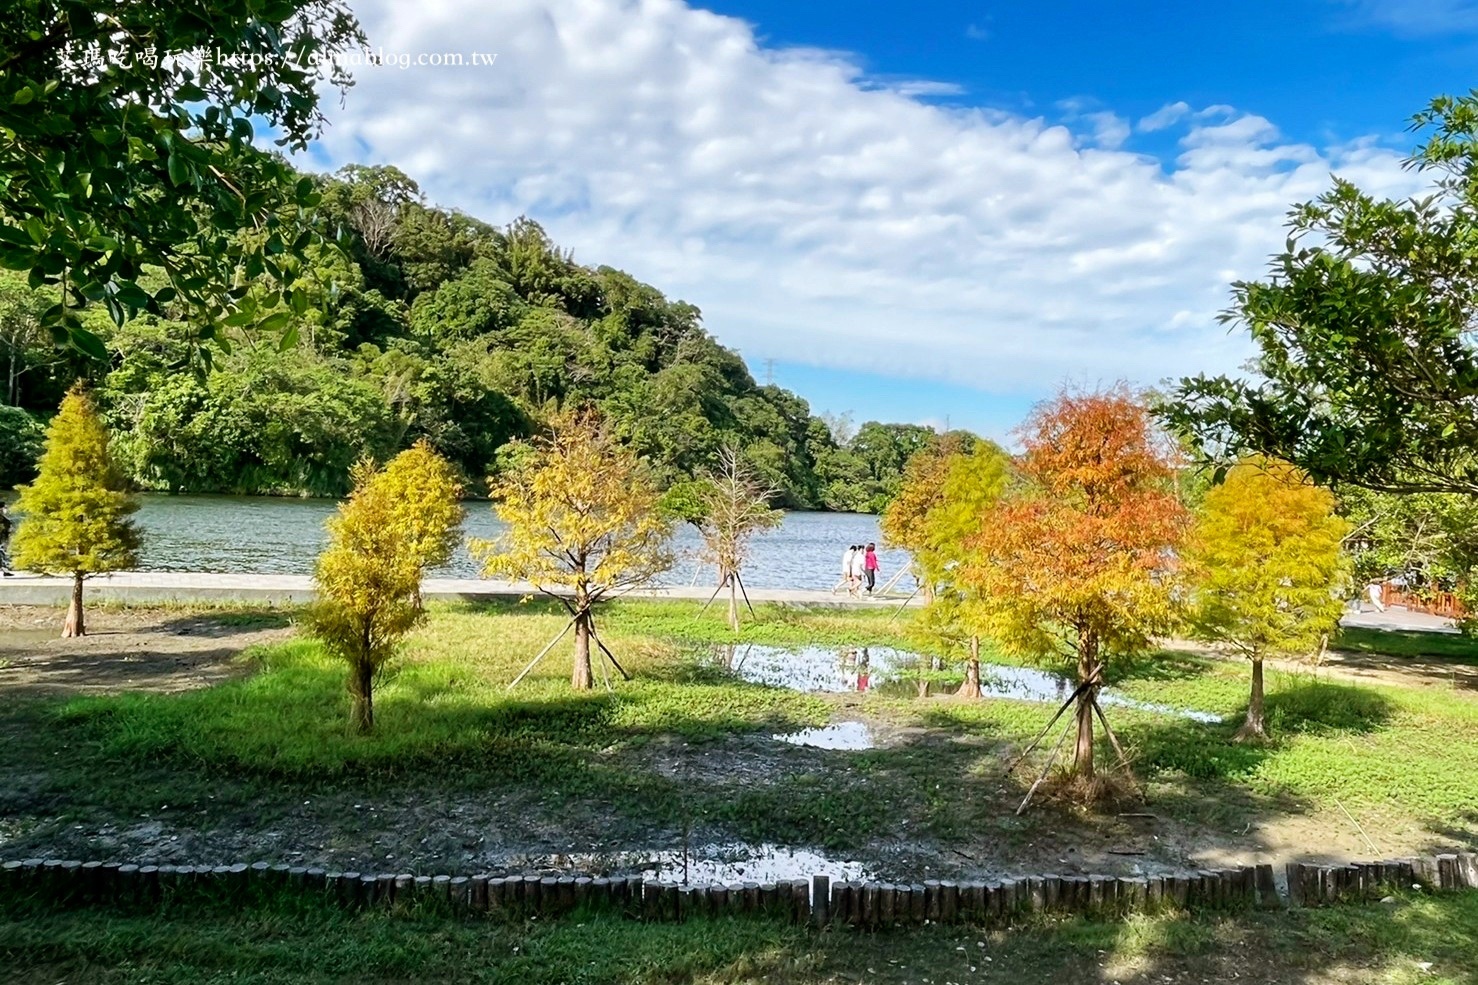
(834, 670)
(272, 535)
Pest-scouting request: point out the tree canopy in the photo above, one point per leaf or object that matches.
(1263, 562)
(582, 516)
(76, 514)
(127, 135)
(1367, 368)
(1074, 560)
(432, 325)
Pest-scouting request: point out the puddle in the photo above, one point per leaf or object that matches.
(835, 671)
(705, 864)
(842, 735)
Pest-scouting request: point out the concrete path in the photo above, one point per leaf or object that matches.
(196, 586)
(1398, 618)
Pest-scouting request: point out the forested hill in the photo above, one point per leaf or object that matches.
(430, 323)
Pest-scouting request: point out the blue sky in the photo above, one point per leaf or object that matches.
(920, 212)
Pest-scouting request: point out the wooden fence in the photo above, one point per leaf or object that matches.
(819, 901)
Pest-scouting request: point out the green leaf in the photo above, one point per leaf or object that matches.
(274, 321)
(289, 339)
(89, 344)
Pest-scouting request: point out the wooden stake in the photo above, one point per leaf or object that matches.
(1047, 728)
(740, 582)
(609, 655)
(1113, 740)
(1046, 769)
(904, 605)
(550, 646)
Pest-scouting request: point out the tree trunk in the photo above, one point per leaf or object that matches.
(1087, 665)
(733, 602)
(581, 678)
(361, 686)
(74, 625)
(971, 687)
(1255, 729)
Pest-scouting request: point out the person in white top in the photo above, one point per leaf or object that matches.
(847, 568)
(859, 568)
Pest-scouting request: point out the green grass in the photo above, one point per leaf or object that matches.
(448, 725)
(279, 941)
(1408, 644)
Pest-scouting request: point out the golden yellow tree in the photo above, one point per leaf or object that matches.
(428, 506)
(1264, 560)
(366, 581)
(904, 522)
(1074, 565)
(734, 506)
(582, 524)
(76, 513)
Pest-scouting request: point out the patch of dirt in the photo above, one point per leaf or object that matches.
(1367, 668)
(126, 649)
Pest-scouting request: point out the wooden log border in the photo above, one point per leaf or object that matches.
(818, 901)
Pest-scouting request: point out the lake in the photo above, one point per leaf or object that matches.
(274, 535)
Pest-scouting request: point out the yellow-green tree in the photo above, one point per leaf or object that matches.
(77, 511)
(428, 506)
(957, 611)
(904, 521)
(734, 506)
(1264, 559)
(366, 580)
(582, 523)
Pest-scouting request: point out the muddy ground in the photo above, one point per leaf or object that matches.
(429, 825)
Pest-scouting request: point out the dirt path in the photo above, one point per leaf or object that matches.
(1367, 668)
(127, 649)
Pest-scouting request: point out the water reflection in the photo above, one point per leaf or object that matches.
(841, 735)
(832, 671)
(703, 864)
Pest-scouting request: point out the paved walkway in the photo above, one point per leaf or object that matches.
(1398, 618)
(197, 586)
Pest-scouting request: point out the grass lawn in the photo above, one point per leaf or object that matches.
(1408, 643)
(1429, 940)
(462, 772)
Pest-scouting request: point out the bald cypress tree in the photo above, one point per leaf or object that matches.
(77, 512)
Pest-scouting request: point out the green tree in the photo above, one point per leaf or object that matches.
(129, 145)
(76, 513)
(366, 580)
(22, 438)
(582, 516)
(1367, 368)
(1264, 562)
(428, 507)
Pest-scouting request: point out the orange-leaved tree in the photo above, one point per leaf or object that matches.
(1264, 561)
(1074, 565)
(582, 523)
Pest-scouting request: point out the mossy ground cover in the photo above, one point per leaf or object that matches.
(277, 941)
(683, 748)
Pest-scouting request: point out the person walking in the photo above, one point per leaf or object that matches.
(847, 569)
(5, 528)
(1374, 591)
(870, 566)
(859, 568)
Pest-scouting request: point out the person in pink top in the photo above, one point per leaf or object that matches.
(870, 563)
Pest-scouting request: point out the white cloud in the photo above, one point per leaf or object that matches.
(977, 32)
(1166, 116)
(815, 215)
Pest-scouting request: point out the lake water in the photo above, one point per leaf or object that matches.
(273, 535)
